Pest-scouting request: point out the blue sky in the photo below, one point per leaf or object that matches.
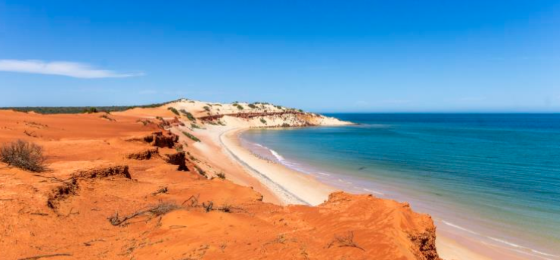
(324, 56)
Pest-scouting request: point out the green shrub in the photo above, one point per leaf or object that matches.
(77, 110)
(192, 137)
(24, 155)
(90, 110)
(221, 175)
(263, 121)
(207, 108)
(173, 110)
(195, 126)
(252, 106)
(188, 115)
(200, 171)
(240, 107)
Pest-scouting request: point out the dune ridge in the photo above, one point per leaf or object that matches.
(155, 183)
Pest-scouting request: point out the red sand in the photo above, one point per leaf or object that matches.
(53, 213)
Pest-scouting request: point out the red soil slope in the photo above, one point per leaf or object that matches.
(110, 193)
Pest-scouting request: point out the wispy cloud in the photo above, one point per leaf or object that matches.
(62, 68)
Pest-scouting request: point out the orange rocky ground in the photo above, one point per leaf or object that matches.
(98, 167)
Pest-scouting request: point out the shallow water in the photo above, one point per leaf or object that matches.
(493, 176)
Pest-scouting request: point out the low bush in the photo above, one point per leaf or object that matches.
(221, 175)
(263, 121)
(200, 171)
(188, 115)
(192, 137)
(90, 110)
(24, 155)
(173, 110)
(207, 108)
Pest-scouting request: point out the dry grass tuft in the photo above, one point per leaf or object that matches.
(159, 209)
(346, 240)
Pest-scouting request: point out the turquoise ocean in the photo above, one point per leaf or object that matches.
(492, 177)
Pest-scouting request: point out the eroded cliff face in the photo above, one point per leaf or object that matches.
(110, 192)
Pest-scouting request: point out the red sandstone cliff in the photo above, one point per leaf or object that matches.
(109, 193)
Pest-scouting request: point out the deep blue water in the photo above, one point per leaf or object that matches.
(495, 173)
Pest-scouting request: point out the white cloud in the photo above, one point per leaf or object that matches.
(62, 68)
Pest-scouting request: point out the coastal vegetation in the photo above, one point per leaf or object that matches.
(192, 137)
(188, 115)
(172, 109)
(200, 171)
(90, 110)
(24, 155)
(84, 109)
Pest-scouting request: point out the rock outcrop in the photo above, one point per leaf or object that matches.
(160, 139)
(145, 154)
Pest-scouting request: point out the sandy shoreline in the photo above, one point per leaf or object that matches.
(292, 187)
(289, 186)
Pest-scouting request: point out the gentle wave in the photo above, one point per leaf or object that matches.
(521, 247)
(459, 227)
(375, 192)
(464, 168)
(504, 242)
(278, 156)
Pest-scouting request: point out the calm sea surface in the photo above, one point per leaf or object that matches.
(494, 176)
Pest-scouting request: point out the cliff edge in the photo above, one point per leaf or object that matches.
(127, 185)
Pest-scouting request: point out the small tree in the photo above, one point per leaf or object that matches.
(24, 155)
